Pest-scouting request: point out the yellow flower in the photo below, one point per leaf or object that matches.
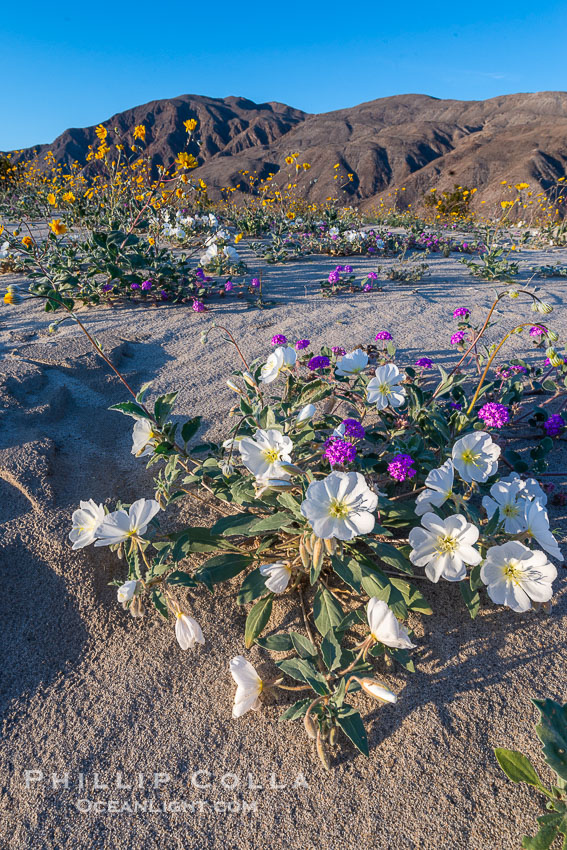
(190, 125)
(290, 215)
(101, 132)
(56, 226)
(237, 238)
(289, 160)
(69, 197)
(151, 240)
(51, 199)
(140, 132)
(520, 186)
(27, 241)
(202, 184)
(186, 160)
(306, 166)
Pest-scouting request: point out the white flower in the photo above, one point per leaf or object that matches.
(143, 441)
(86, 520)
(187, 631)
(209, 255)
(507, 497)
(265, 452)
(334, 231)
(305, 413)
(385, 627)
(536, 526)
(4, 250)
(385, 389)
(530, 488)
(231, 253)
(341, 506)
(440, 488)
(444, 546)
(213, 220)
(127, 591)
(278, 575)
(378, 691)
(516, 576)
(475, 456)
(280, 358)
(121, 525)
(352, 363)
(249, 686)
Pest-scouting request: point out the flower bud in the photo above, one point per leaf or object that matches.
(127, 591)
(310, 726)
(513, 293)
(330, 545)
(249, 378)
(53, 328)
(232, 386)
(550, 352)
(333, 736)
(280, 485)
(136, 607)
(305, 413)
(556, 360)
(377, 690)
(308, 543)
(544, 308)
(304, 554)
(551, 335)
(292, 469)
(318, 553)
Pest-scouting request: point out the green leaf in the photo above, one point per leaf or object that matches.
(231, 526)
(303, 645)
(181, 578)
(163, 406)
(190, 428)
(130, 408)
(352, 618)
(351, 723)
(544, 838)
(257, 619)
(331, 650)
(517, 767)
(196, 539)
(349, 572)
(471, 598)
(159, 601)
(303, 670)
(272, 522)
(298, 709)
(221, 568)
(253, 586)
(287, 500)
(326, 611)
(276, 643)
(552, 732)
(413, 597)
(390, 555)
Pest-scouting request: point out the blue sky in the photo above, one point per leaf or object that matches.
(75, 64)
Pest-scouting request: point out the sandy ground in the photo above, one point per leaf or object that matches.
(87, 690)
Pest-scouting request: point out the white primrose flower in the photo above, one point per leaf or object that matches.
(305, 413)
(444, 546)
(384, 390)
(127, 591)
(143, 438)
(515, 576)
(377, 690)
(122, 525)
(352, 363)
(530, 487)
(187, 631)
(439, 485)
(507, 498)
(385, 626)
(264, 453)
(536, 526)
(278, 575)
(475, 456)
(231, 253)
(341, 506)
(249, 686)
(281, 358)
(86, 520)
(4, 250)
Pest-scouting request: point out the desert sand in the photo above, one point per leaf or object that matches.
(88, 690)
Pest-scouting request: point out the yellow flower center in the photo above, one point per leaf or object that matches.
(510, 510)
(447, 545)
(271, 455)
(512, 572)
(385, 389)
(337, 509)
(470, 457)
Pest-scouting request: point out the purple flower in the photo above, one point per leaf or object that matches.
(424, 363)
(455, 405)
(494, 415)
(334, 277)
(319, 362)
(348, 269)
(353, 429)
(146, 285)
(339, 451)
(458, 337)
(301, 344)
(107, 287)
(198, 306)
(199, 274)
(340, 268)
(338, 350)
(461, 311)
(255, 283)
(372, 275)
(401, 467)
(134, 286)
(164, 295)
(228, 286)
(537, 330)
(383, 335)
(367, 287)
(554, 425)
(279, 339)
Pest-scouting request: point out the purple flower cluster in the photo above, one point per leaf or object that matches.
(458, 337)
(401, 467)
(319, 362)
(424, 363)
(554, 425)
(507, 371)
(147, 285)
(279, 339)
(134, 286)
(107, 287)
(302, 343)
(228, 286)
(338, 350)
(339, 451)
(372, 276)
(461, 311)
(383, 335)
(494, 415)
(198, 306)
(334, 276)
(255, 283)
(537, 330)
(353, 429)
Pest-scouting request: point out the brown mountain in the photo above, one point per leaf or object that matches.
(411, 141)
